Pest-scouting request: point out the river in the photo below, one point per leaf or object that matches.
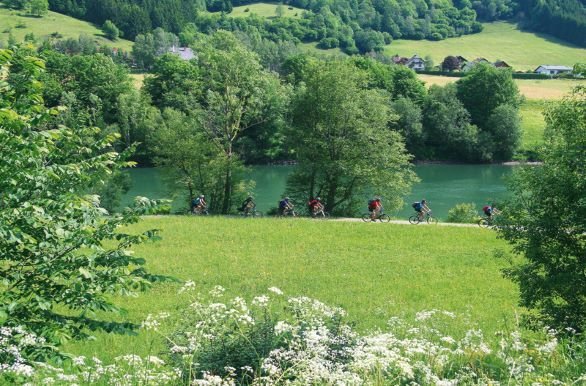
(443, 186)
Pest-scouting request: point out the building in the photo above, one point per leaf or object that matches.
(501, 64)
(547, 69)
(184, 53)
(399, 60)
(470, 65)
(416, 63)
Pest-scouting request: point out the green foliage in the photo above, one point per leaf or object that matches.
(55, 270)
(545, 220)
(147, 47)
(463, 213)
(38, 7)
(504, 137)
(110, 30)
(342, 141)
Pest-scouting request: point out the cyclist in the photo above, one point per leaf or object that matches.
(375, 207)
(489, 210)
(247, 205)
(198, 204)
(421, 208)
(315, 206)
(285, 206)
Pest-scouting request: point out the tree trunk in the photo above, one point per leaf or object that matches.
(227, 203)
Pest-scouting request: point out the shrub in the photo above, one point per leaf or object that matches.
(463, 213)
(20, 24)
(110, 30)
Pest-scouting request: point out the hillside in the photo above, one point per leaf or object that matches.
(500, 40)
(68, 27)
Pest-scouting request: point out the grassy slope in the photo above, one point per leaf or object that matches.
(374, 271)
(522, 50)
(265, 10)
(53, 22)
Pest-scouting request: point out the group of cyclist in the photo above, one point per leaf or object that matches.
(316, 206)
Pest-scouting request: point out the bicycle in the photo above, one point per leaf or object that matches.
(486, 222)
(366, 217)
(251, 213)
(428, 218)
(202, 211)
(321, 213)
(288, 212)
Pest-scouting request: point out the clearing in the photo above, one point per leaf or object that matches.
(268, 10)
(374, 271)
(19, 25)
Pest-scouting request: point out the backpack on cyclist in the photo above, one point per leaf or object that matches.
(416, 205)
(371, 205)
(196, 201)
(486, 210)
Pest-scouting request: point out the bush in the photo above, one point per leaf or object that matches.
(463, 213)
(110, 30)
(20, 24)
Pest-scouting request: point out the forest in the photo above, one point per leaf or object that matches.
(354, 26)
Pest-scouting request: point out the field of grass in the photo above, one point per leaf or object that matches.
(530, 88)
(532, 122)
(268, 10)
(503, 41)
(42, 27)
(374, 271)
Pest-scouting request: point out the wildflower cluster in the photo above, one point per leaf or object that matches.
(276, 340)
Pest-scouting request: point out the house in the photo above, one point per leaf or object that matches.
(184, 53)
(470, 65)
(547, 69)
(399, 60)
(416, 63)
(462, 60)
(501, 64)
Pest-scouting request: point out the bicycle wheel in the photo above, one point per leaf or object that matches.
(384, 218)
(432, 220)
(414, 219)
(483, 223)
(366, 217)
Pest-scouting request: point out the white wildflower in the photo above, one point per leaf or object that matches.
(276, 290)
(187, 287)
(261, 301)
(217, 291)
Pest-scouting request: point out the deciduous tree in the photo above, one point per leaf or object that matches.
(545, 221)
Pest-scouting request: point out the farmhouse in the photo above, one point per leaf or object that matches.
(399, 60)
(501, 64)
(416, 63)
(552, 70)
(470, 65)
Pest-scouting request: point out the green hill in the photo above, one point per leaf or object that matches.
(502, 41)
(15, 23)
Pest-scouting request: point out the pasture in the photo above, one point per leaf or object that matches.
(19, 25)
(498, 41)
(268, 10)
(374, 271)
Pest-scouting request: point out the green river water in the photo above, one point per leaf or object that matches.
(443, 186)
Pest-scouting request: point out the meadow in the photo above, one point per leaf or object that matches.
(268, 10)
(374, 271)
(19, 25)
(498, 41)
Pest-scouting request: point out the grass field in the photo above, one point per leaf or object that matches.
(67, 26)
(374, 271)
(530, 88)
(268, 10)
(503, 41)
(532, 122)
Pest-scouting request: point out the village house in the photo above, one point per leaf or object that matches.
(547, 69)
(470, 65)
(416, 63)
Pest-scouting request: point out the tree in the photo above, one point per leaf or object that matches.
(343, 145)
(450, 63)
(545, 221)
(428, 63)
(194, 164)
(504, 137)
(110, 30)
(38, 7)
(280, 10)
(409, 125)
(484, 88)
(447, 130)
(61, 259)
(239, 94)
